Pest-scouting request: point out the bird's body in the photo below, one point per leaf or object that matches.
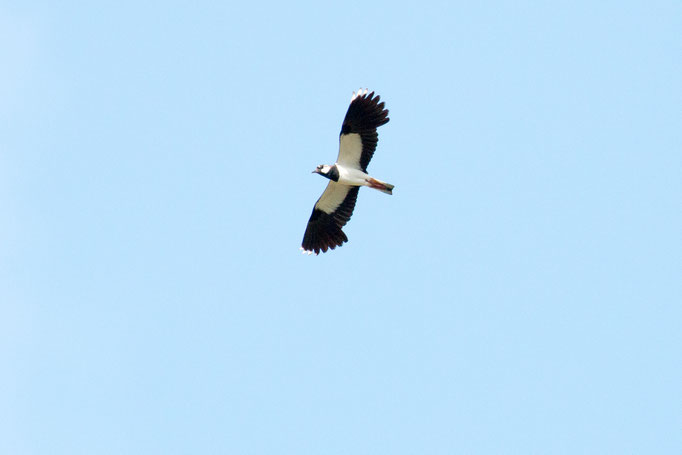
(352, 177)
(357, 142)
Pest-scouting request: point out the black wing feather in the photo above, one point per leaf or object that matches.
(324, 229)
(365, 114)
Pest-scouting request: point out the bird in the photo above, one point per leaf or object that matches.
(357, 143)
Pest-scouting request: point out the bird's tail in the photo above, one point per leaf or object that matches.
(381, 186)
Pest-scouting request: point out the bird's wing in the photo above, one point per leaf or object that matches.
(331, 212)
(359, 137)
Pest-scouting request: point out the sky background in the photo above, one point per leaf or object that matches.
(519, 293)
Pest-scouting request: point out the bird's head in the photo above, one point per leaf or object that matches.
(325, 170)
(322, 169)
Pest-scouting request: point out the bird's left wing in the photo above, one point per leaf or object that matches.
(358, 138)
(331, 212)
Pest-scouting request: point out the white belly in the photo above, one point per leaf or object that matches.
(350, 176)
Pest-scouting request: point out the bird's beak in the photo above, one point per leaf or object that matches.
(316, 171)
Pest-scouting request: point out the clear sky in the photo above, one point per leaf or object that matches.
(520, 292)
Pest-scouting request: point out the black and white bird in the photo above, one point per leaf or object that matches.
(357, 143)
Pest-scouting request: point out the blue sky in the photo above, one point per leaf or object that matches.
(519, 293)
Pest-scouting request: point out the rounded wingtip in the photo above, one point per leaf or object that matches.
(360, 93)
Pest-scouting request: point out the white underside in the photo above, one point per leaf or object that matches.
(336, 192)
(351, 176)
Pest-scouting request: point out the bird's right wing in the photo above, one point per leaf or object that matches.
(331, 212)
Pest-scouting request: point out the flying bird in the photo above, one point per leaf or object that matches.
(357, 142)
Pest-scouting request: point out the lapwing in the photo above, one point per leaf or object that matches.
(357, 143)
